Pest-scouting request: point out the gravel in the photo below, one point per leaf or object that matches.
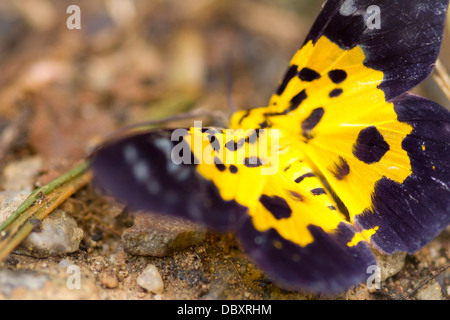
(161, 236)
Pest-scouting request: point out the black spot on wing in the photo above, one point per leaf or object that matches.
(291, 73)
(234, 146)
(296, 196)
(304, 176)
(277, 206)
(326, 266)
(370, 146)
(233, 169)
(246, 114)
(337, 76)
(318, 191)
(265, 124)
(252, 137)
(253, 162)
(341, 169)
(215, 144)
(312, 121)
(294, 104)
(296, 101)
(219, 165)
(336, 93)
(308, 75)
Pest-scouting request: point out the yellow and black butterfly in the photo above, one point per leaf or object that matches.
(342, 159)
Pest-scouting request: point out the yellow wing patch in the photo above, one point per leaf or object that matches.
(335, 115)
(287, 200)
(341, 136)
(362, 236)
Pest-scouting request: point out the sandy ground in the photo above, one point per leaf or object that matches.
(63, 91)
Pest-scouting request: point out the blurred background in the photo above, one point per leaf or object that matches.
(62, 91)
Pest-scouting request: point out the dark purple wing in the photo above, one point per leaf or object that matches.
(327, 265)
(139, 171)
(404, 47)
(411, 214)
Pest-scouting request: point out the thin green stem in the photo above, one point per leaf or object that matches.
(38, 205)
(43, 191)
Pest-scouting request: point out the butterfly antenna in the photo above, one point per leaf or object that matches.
(442, 78)
(145, 125)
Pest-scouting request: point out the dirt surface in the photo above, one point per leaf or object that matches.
(216, 269)
(63, 91)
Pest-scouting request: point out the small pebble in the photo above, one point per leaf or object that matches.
(160, 236)
(431, 291)
(58, 234)
(390, 265)
(109, 280)
(150, 279)
(10, 280)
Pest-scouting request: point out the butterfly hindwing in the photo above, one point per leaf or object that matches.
(297, 235)
(327, 265)
(412, 213)
(287, 221)
(139, 171)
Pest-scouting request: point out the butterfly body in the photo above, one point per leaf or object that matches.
(342, 159)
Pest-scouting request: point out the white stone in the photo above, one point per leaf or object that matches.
(390, 265)
(58, 234)
(150, 279)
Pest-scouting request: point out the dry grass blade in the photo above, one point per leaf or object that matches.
(442, 78)
(38, 205)
(428, 279)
